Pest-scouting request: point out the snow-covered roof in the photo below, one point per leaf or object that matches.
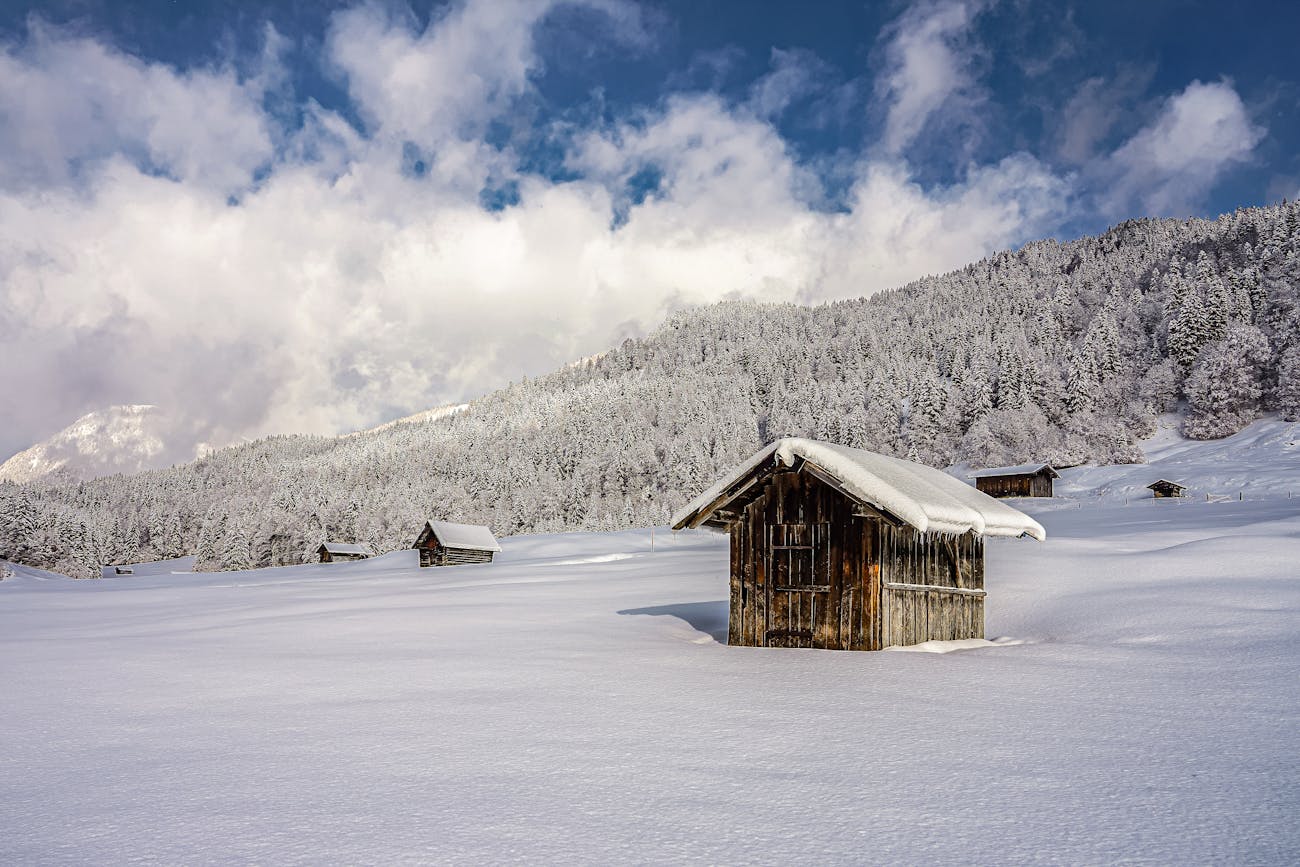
(1166, 482)
(1017, 470)
(346, 548)
(930, 500)
(474, 537)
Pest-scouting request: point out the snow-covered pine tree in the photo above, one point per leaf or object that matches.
(1226, 384)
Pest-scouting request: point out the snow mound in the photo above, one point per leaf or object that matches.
(959, 644)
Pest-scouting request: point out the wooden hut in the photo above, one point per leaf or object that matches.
(443, 543)
(1165, 488)
(337, 552)
(845, 549)
(1026, 480)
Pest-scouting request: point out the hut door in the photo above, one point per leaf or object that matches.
(800, 583)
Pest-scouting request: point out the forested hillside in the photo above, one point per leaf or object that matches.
(1056, 352)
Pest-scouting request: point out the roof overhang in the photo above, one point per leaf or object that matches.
(908, 493)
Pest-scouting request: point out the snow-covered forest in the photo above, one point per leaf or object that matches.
(1056, 352)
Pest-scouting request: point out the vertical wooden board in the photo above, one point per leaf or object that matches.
(888, 619)
(909, 617)
(735, 609)
(871, 602)
(828, 531)
(928, 613)
(859, 575)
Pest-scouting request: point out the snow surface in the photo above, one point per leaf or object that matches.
(1139, 701)
(1261, 461)
(474, 537)
(928, 499)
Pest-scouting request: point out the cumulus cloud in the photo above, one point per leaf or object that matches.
(1170, 165)
(68, 102)
(928, 68)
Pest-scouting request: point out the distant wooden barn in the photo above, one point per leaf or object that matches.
(443, 543)
(1026, 480)
(845, 549)
(336, 552)
(1165, 488)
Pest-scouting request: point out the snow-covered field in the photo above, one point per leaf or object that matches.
(572, 702)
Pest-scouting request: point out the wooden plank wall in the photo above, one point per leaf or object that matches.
(952, 565)
(840, 609)
(1039, 485)
(1005, 486)
(452, 556)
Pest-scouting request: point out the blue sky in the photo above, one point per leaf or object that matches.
(193, 192)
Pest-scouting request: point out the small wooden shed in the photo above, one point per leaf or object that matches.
(337, 552)
(844, 549)
(443, 543)
(1165, 488)
(1025, 480)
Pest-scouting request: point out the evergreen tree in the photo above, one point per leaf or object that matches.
(1224, 388)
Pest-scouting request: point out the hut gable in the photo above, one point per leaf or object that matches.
(334, 552)
(1023, 480)
(443, 543)
(840, 548)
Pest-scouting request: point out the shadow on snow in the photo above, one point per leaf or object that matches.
(707, 617)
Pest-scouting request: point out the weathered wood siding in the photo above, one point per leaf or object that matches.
(436, 555)
(804, 569)
(1037, 485)
(808, 569)
(932, 586)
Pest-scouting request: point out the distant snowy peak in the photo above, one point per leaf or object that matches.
(119, 439)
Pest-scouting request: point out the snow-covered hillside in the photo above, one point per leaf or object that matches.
(573, 702)
(119, 439)
(1259, 462)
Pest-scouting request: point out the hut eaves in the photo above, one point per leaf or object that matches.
(1018, 470)
(928, 499)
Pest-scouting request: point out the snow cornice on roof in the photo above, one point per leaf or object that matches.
(928, 499)
(1017, 470)
(469, 537)
(346, 548)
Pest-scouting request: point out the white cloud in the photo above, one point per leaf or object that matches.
(1097, 107)
(1170, 165)
(465, 68)
(340, 291)
(68, 101)
(794, 75)
(928, 69)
